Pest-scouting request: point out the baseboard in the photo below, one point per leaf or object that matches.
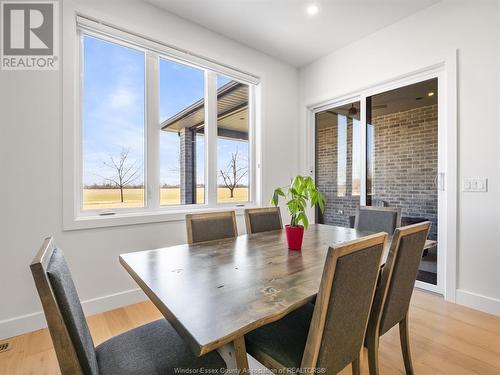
(34, 321)
(113, 301)
(479, 302)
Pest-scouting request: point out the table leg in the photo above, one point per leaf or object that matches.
(235, 356)
(241, 355)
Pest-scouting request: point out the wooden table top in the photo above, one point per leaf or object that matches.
(216, 292)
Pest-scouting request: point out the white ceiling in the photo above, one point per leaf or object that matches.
(283, 29)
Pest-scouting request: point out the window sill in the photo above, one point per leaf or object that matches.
(133, 218)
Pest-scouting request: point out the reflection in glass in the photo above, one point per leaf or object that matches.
(341, 155)
(356, 157)
(338, 163)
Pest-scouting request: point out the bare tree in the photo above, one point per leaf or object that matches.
(125, 172)
(233, 173)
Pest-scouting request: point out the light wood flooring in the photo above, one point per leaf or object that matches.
(445, 339)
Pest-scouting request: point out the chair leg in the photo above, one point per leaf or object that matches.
(356, 370)
(372, 345)
(405, 345)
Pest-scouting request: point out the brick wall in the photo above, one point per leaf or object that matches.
(405, 162)
(405, 166)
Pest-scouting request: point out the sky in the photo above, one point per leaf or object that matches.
(113, 112)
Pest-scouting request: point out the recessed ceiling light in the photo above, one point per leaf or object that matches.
(312, 9)
(430, 93)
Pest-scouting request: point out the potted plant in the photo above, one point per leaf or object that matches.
(301, 190)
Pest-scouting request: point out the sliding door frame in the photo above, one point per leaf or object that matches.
(446, 73)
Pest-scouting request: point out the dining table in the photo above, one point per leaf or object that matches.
(213, 293)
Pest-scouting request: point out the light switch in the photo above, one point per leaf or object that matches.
(476, 185)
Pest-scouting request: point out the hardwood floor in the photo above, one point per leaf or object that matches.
(445, 339)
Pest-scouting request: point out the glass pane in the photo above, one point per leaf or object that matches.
(112, 125)
(402, 153)
(182, 140)
(232, 141)
(338, 163)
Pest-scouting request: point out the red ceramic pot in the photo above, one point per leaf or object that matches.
(294, 236)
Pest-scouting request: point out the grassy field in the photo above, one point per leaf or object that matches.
(99, 199)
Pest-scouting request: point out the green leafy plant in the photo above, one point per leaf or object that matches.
(301, 190)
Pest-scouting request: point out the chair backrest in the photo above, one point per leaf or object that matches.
(343, 303)
(378, 219)
(263, 219)
(67, 325)
(211, 226)
(393, 294)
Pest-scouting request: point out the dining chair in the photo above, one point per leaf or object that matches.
(377, 219)
(263, 219)
(393, 293)
(329, 334)
(154, 348)
(210, 226)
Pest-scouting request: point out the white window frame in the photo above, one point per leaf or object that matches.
(74, 215)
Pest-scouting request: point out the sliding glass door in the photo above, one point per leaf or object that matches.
(382, 151)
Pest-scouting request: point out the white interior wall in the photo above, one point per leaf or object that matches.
(31, 167)
(427, 37)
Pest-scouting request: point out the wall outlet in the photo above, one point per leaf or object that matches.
(475, 185)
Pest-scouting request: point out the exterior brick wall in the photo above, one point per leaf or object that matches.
(406, 160)
(405, 166)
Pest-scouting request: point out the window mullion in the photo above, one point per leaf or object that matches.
(211, 137)
(152, 131)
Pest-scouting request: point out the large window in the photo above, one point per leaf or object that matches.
(159, 132)
(113, 125)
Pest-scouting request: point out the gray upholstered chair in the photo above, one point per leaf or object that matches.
(263, 219)
(153, 348)
(393, 294)
(378, 219)
(211, 226)
(330, 333)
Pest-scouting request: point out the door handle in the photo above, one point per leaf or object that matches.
(439, 181)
